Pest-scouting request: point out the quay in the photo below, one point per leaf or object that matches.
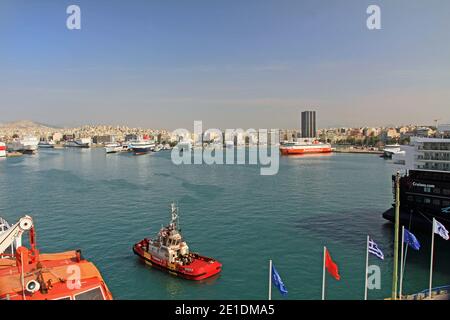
(357, 150)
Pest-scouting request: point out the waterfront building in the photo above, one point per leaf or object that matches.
(308, 124)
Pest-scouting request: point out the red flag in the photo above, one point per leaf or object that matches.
(331, 266)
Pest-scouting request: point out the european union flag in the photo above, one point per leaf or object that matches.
(411, 240)
(276, 280)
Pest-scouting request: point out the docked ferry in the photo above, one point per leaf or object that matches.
(169, 252)
(141, 146)
(306, 146)
(28, 274)
(425, 183)
(2, 150)
(27, 145)
(79, 143)
(46, 144)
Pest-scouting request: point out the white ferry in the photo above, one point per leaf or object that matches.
(27, 145)
(79, 143)
(46, 144)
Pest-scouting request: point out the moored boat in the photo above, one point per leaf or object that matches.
(27, 145)
(79, 143)
(141, 146)
(169, 252)
(113, 148)
(27, 274)
(46, 144)
(2, 150)
(305, 147)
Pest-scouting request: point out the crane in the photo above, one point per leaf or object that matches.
(11, 236)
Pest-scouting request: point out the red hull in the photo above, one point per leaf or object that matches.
(201, 267)
(288, 151)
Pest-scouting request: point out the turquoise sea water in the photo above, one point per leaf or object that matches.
(103, 204)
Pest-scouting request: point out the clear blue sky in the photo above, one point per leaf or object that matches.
(249, 63)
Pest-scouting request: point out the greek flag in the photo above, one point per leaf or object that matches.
(411, 240)
(440, 229)
(276, 279)
(373, 249)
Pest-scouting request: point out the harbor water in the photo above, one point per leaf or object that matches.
(103, 204)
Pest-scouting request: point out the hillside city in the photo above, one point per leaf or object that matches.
(101, 134)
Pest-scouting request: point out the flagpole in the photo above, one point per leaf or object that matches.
(432, 254)
(397, 222)
(401, 263)
(367, 267)
(270, 279)
(323, 275)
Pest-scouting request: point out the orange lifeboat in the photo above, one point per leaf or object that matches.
(26, 274)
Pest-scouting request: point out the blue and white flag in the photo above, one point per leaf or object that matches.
(411, 240)
(276, 280)
(373, 249)
(440, 229)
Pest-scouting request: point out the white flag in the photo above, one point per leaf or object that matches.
(440, 229)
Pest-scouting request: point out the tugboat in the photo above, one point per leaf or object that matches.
(27, 274)
(169, 252)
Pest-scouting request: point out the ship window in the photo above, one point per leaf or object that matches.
(436, 202)
(427, 200)
(437, 190)
(93, 294)
(426, 189)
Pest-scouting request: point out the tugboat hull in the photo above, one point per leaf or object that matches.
(199, 269)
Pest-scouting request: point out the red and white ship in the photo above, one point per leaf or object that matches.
(2, 150)
(305, 147)
(170, 253)
(27, 274)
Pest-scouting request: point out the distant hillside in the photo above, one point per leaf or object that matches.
(26, 124)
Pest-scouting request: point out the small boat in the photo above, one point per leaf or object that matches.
(46, 144)
(390, 150)
(113, 148)
(27, 274)
(2, 150)
(169, 252)
(305, 147)
(79, 143)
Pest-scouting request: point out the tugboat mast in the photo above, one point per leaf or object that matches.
(175, 220)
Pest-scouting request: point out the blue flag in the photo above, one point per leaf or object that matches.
(411, 240)
(276, 280)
